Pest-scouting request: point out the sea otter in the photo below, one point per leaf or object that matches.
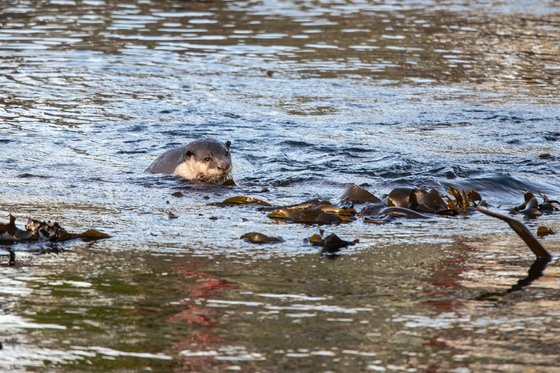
(205, 160)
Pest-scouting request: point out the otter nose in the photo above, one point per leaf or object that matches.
(224, 166)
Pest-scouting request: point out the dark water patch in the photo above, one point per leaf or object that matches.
(136, 128)
(295, 144)
(513, 142)
(33, 176)
(552, 136)
(132, 151)
(169, 111)
(503, 188)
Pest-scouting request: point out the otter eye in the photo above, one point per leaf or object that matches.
(207, 159)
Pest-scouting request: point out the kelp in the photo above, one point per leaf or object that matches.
(418, 200)
(330, 244)
(357, 194)
(545, 231)
(462, 199)
(313, 212)
(522, 231)
(533, 209)
(240, 200)
(36, 230)
(379, 216)
(260, 238)
(414, 203)
(410, 203)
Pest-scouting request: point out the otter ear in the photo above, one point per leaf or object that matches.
(188, 154)
(228, 144)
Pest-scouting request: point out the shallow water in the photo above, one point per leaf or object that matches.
(314, 96)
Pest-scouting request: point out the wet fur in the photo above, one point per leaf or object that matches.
(206, 160)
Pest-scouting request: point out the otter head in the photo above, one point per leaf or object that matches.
(206, 161)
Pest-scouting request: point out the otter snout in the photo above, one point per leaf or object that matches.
(224, 166)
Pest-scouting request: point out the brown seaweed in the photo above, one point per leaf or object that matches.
(533, 209)
(240, 200)
(463, 199)
(522, 231)
(427, 201)
(260, 238)
(545, 231)
(399, 197)
(36, 230)
(357, 194)
(331, 244)
(418, 200)
(548, 205)
(374, 216)
(313, 212)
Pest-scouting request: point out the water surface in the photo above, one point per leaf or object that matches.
(314, 96)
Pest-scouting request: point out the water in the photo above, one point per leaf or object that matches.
(314, 96)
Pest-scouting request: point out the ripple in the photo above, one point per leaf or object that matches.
(315, 96)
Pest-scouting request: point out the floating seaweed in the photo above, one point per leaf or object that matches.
(522, 231)
(533, 209)
(419, 200)
(330, 244)
(463, 199)
(260, 238)
(357, 194)
(381, 214)
(314, 212)
(240, 200)
(36, 230)
(545, 231)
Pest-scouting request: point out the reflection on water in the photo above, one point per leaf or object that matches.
(418, 308)
(313, 95)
